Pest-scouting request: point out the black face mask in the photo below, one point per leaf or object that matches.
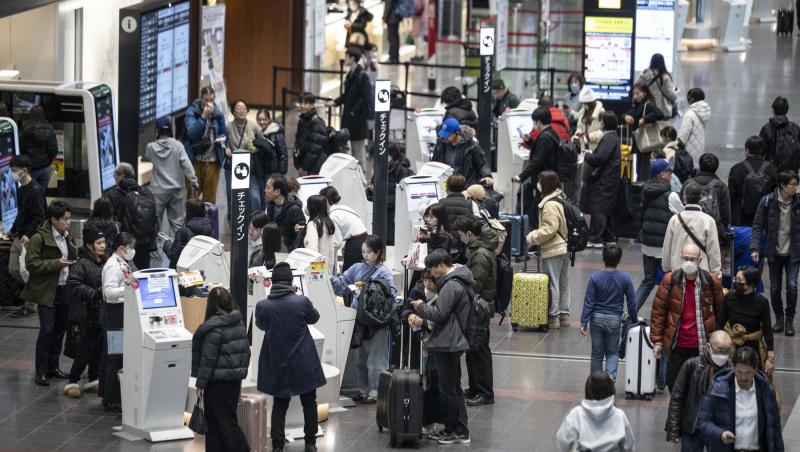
(738, 288)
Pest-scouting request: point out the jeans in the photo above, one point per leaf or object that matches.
(90, 354)
(651, 266)
(278, 433)
(777, 267)
(479, 370)
(42, 177)
(372, 358)
(557, 268)
(451, 396)
(208, 177)
(256, 195)
(173, 203)
(600, 229)
(604, 331)
(53, 322)
(692, 442)
(220, 402)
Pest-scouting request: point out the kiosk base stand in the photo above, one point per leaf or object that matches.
(154, 436)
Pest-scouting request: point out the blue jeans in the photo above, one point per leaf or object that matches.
(42, 177)
(53, 322)
(691, 442)
(651, 266)
(604, 331)
(372, 358)
(777, 267)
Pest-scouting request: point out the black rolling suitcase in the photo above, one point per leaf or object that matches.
(399, 405)
(785, 22)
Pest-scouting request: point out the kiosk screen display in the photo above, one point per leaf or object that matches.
(654, 32)
(106, 142)
(608, 47)
(8, 188)
(420, 196)
(164, 62)
(518, 126)
(157, 292)
(309, 189)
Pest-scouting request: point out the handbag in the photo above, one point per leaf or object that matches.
(648, 137)
(417, 253)
(72, 344)
(625, 208)
(197, 423)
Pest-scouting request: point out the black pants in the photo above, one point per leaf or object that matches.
(676, 359)
(351, 253)
(431, 409)
(278, 431)
(601, 229)
(220, 400)
(90, 354)
(451, 396)
(142, 258)
(53, 322)
(479, 370)
(394, 41)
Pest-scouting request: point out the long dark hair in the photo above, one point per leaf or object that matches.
(220, 301)
(658, 66)
(439, 212)
(318, 213)
(270, 244)
(103, 210)
(641, 86)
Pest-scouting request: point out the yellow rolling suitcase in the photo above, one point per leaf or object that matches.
(530, 296)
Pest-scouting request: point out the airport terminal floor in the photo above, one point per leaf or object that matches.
(538, 377)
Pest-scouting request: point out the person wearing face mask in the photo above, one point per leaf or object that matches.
(311, 138)
(692, 226)
(740, 412)
(685, 311)
(543, 157)
(575, 84)
(242, 133)
(601, 178)
(644, 112)
(399, 167)
(691, 385)
(588, 132)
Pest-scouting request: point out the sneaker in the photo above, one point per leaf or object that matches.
(91, 386)
(554, 323)
(563, 318)
(24, 312)
(369, 400)
(436, 436)
(455, 438)
(594, 245)
(479, 400)
(72, 390)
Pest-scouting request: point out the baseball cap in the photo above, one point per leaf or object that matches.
(659, 165)
(449, 127)
(163, 124)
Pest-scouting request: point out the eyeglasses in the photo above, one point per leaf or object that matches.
(690, 259)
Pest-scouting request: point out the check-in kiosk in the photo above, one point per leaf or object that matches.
(440, 171)
(511, 155)
(157, 359)
(311, 185)
(83, 115)
(206, 254)
(9, 147)
(422, 137)
(347, 176)
(414, 194)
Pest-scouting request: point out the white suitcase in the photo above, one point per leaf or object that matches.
(640, 364)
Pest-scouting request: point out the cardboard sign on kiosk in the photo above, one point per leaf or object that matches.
(422, 137)
(346, 175)
(206, 254)
(9, 147)
(511, 155)
(414, 194)
(157, 359)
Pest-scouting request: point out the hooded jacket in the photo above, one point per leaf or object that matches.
(193, 227)
(462, 110)
(449, 313)
(482, 262)
(196, 126)
(310, 141)
(596, 425)
(272, 156)
(42, 262)
(85, 289)
(220, 351)
(767, 224)
(687, 395)
(170, 166)
(116, 195)
(470, 159)
(291, 214)
(663, 90)
(38, 141)
(693, 128)
(601, 175)
(594, 130)
(655, 212)
(31, 208)
(720, 190)
(780, 124)
(552, 227)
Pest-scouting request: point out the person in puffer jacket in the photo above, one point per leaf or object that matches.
(196, 224)
(38, 141)
(220, 360)
(780, 125)
(311, 139)
(596, 424)
(693, 127)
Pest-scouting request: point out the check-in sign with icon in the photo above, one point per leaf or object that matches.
(487, 41)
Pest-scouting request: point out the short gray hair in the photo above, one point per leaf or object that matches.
(125, 170)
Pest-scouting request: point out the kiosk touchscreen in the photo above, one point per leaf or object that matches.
(513, 125)
(9, 147)
(414, 194)
(311, 185)
(157, 359)
(347, 176)
(206, 254)
(440, 171)
(422, 126)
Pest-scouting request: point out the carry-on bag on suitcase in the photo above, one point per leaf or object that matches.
(640, 363)
(252, 414)
(530, 298)
(399, 405)
(520, 227)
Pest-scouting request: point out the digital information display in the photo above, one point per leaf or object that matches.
(8, 188)
(106, 144)
(609, 47)
(655, 32)
(164, 62)
(157, 292)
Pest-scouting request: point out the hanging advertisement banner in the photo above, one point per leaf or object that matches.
(212, 62)
(501, 36)
(319, 27)
(433, 28)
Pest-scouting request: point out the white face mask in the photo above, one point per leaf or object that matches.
(718, 359)
(539, 186)
(689, 267)
(16, 176)
(129, 255)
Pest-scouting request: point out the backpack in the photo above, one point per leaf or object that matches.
(505, 281)
(405, 8)
(709, 200)
(139, 216)
(475, 331)
(577, 229)
(787, 150)
(756, 185)
(566, 159)
(684, 165)
(376, 304)
(498, 228)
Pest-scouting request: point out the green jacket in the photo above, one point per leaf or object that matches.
(510, 100)
(482, 262)
(42, 263)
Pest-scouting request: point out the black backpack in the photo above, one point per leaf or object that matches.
(139, 216)
(566, 159)
(376, 305)
(684, 165)
(475, 331)
(757, 184)
(577, 229)
(787, 150)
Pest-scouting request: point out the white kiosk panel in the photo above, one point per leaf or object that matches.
(311, 185)
(414, 194)
(206, 254)
(422, 134)
(347, 176)
(511, 155)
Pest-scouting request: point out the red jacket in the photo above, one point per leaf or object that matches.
(559, 124)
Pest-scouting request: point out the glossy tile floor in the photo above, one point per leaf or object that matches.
(538, 377)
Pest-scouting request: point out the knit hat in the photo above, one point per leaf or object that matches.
(498, 83)
(476, 192)
(91, 233)
(282, 273)
(587, 95)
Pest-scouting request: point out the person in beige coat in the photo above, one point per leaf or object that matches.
(700, 229)
(550, 237)
(588, 132)
(320, 230)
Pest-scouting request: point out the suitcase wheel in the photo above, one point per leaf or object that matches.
(628, 396)
(648, 397)
(514, 327)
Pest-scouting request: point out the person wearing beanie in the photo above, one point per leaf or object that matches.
(288, 365)
(85, 288)
(502, 98)
(588, 132)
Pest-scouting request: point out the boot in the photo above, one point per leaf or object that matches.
(564, 319)
(554, 323)
(778, 327)
(789, 326)
(72, 390)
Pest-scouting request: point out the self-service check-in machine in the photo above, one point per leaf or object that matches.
(311, 185)
(347, 176)
(511, 155)
(440, 171)
(414, 194)
(206, 254)
(422, 137)
(157, 359)
(9, 147)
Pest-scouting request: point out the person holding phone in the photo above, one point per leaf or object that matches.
(205, 143)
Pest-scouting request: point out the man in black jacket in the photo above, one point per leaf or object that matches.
(456, 106)
(781, 138)
(708, 177)
(285, 210)
(543, 157)
(356, 101)
(125, 177)
(462, 154)
(694, 379)
(311, 138)
(744, 199)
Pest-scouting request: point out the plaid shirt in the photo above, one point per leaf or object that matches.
(698, 312)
